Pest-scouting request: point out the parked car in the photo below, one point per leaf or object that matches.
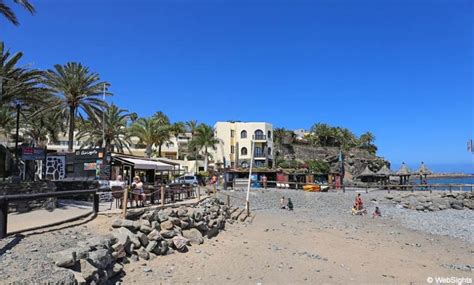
(188, 179)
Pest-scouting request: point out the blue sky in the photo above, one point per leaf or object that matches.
(401, 69)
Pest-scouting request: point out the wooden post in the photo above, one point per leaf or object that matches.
(471, 188)
(367, 188)
(228, 200)
(431, 190)
(96, 203)
(199, 193)
(3, 219)
(125, 202)
(247, 207)
(162, 195)
(412, 188)
(450, 190)
(343, 188)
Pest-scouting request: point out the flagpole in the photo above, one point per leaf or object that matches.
(250, 176)
(103, 120)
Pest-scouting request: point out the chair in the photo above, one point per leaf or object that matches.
(117, 194)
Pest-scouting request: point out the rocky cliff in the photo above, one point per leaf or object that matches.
(355, 160)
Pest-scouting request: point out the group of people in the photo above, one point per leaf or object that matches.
(138, 192)
(286, 204)
(358, 208)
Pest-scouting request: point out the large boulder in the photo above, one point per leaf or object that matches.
(87, 270)
(180, 243)
(100, 258)
(154, 235)
(143, 254)
(64, 258)
(194, 236)
(169, 233)
(167, 225)
(142, 238)
(457, 204)
(118, 251)
(120, 234)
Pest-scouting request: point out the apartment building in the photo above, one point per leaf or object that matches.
(235, 143)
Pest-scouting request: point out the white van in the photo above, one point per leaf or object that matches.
(188, 179)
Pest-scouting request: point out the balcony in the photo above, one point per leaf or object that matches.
(260, 155)
(260, 138)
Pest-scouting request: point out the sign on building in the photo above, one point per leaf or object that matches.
(32, 153)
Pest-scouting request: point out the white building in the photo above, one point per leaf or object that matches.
(300, 134)
(236, 141)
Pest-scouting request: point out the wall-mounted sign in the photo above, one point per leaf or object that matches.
(89, 153)
(90, 166)
(32, 153)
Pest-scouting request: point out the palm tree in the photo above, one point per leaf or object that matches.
(112, 126)
(18, 84)
(77, 90)
(42, 127)
(366, 141)
(204, 139)
(191, 126)
(163, 129)
(7, 122)
(10, 15)
(144, 129)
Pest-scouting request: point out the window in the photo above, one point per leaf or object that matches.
(244, 164)
(259, 135)
(243, 134)
(232, 133)
(258, 152)
(269, 151)
(269, 135)
(243, 151)
(232, 149)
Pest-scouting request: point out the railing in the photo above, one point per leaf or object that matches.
(367, 186)
(260, 137)
(260, 155)
(6, 199)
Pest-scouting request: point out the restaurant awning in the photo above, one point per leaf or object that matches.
(145, 164)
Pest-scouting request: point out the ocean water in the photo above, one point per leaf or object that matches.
(452, 180)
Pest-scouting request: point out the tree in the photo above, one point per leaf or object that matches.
(8, 13)
(203, 140)
(163, 129)
(18, 84)
(366, 141)
(112, 126)
(77, 90)
(43, 127)
(191, 126)
(144, 129)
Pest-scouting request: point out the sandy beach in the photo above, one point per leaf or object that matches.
(318, 242)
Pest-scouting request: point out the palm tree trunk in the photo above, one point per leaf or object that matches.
(72, 125)
(148, 151)
(206, 160)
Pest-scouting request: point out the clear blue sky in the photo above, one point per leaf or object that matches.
(401, 69)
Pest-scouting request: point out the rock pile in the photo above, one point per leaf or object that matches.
(422, 201)
(155, 232)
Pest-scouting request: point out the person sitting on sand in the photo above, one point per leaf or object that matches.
(376, 213)
(283, 203)
(358, 204)
(290, 205)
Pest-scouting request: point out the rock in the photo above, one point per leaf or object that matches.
(433, 208)
(143, 254)
(102, 241)
(154, 235)
(121, 232)
(145, 229)
(100, 258)
(61, 276)
(142, 238)
(175, 221)
(116, 269)
(182, 212)
(168, 233)
(198, 214)
(162, 216)
(122, 237)
(212, 232)
(147, 269)
(129, 224)
(145, 222)
(469, 204)
(185, 225)
(162, 248)
(420, 208)
(389, 197)
(82, 252)
(180, 243)
(151, 246)
(117, 223)
(118, 251)
(397, 199)
(87, 270)
(64, 258)
(457, 204)
(194, 236)
(167, 225)
(155, 225)
(201, 226)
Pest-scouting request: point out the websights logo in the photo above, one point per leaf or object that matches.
(449, 280)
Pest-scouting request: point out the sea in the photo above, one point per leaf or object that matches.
(449, 180)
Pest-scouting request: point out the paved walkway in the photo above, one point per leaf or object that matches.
(70, 209)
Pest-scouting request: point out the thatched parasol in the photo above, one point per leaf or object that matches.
(404, 170)
(423, 170)
(367, 173)
(384, 171)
